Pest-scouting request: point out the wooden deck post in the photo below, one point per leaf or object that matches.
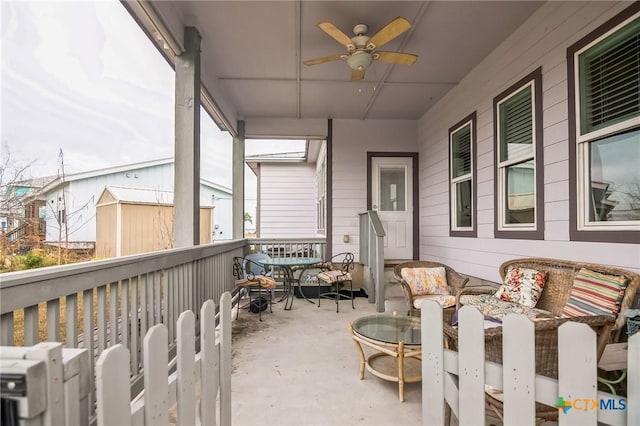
(187, 145)
(238, 183)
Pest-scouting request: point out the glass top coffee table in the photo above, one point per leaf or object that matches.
(391, 337)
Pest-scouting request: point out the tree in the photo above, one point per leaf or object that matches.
(13, 172)
(248, 218)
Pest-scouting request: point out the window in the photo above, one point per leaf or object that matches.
(462, 182)
(518, 147)
(604, 131)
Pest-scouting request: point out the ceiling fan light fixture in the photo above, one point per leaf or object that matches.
(359, 60)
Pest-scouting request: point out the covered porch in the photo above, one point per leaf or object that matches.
(252, 91)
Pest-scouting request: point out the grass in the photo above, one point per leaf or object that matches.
(18, 319)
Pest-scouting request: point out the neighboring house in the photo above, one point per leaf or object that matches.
(77, 195)
(288, 204)
(134, 220)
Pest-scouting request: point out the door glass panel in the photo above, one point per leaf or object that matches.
(392, 189)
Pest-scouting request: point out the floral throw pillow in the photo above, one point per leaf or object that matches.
(522, 286)
(426, 280)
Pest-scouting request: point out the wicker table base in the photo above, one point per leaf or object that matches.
(378, 362)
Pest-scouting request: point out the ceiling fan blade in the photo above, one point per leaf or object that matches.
(399, 58)
(357, 75)
(336, 34)
(390, 31)
(323, 59)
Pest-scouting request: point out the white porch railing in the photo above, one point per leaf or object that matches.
(117, 299)
(120, 299)
(372, 255)
(211, 368)
(458, 378)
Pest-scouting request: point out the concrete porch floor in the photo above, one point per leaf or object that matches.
(300, 367)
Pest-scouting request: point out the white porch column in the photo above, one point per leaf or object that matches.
(187, 146)
(238, 182)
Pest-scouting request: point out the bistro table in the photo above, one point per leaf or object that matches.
(286, 265)
(395, 336)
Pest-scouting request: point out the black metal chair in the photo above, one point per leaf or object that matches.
(252, 276)
(336, 278)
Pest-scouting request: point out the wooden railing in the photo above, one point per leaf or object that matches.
(456, 380)
(209, 370)
(372, 255)
(28, 229)
(117, 300)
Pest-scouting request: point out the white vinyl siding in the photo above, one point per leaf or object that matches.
(82, 194)
(352, 139)
(541, 41)
(287, 200)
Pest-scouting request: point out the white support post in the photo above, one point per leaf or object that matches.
(187, 144)
(238, 183)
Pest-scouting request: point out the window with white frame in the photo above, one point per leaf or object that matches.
(462, 189)
(605, 131)
(518, 149)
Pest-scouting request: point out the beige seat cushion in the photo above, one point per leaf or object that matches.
(445, 300)
(334, 276)
(423, 281)
(257, 281)
(492, 307)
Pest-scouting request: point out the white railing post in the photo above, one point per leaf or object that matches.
(225, 359)
(633, 380)
(113, 393)
(209, 364)
(471, 365)
(519, 373)
(433, 402)
(578, 372)
(156, 371)
(186, 353)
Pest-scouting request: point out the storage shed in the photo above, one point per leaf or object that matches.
(137, 220)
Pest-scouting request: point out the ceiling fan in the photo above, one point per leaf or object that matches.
(361, 49)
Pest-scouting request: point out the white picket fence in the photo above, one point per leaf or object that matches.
(465, 394)
(210, 368)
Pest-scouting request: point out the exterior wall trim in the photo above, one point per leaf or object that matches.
(611, 236)
(416, 199)
(538, 233)
(474, 176)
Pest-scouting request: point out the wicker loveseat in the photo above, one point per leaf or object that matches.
(553, 299)
(455, 281)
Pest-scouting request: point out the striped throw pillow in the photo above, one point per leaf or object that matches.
(594, 293)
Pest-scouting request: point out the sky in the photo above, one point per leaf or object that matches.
(82, 77)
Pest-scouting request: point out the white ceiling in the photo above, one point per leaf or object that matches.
(252, 51)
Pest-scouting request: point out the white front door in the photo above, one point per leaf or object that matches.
(392, 197)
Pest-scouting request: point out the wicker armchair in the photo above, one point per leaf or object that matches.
(455, 281)
(553, 299)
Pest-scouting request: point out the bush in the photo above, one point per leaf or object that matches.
(32, 260)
